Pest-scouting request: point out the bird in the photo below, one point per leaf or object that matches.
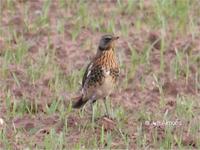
(101, 74)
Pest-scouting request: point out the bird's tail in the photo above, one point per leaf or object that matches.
(79, 103)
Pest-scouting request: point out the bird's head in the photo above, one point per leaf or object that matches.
(107, 42)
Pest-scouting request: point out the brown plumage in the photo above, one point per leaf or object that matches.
(101, 74)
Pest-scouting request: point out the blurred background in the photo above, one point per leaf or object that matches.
(45, 46)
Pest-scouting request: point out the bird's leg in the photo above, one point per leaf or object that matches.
(88, 108)
(105, 98)
(92, 109)
(92, 100)
(90, 105)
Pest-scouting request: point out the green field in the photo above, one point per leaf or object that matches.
(45, 46)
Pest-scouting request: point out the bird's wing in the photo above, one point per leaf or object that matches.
(93, 75)
(87, 72)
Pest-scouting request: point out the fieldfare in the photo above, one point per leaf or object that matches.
(101, 74)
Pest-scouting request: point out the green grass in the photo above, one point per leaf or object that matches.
(48, 88)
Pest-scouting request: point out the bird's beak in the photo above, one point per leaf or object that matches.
(115, 38)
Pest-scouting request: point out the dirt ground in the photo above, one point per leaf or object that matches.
(45, 46)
